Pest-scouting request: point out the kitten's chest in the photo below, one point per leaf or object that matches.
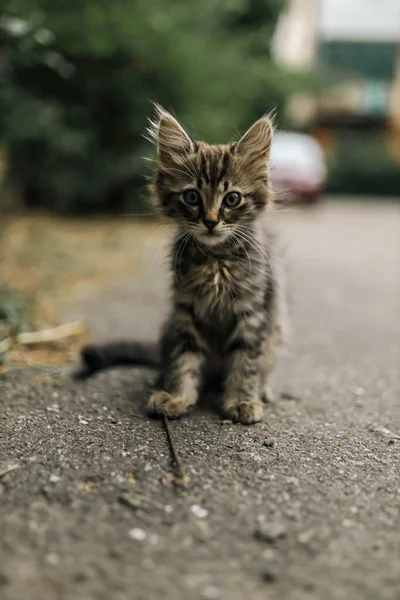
(215, 286)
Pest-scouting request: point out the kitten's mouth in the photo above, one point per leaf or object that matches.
(211, 238)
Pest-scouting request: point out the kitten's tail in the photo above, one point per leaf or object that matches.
(98, 358)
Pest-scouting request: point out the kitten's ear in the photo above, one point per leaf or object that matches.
(172, 141)
(256, 142)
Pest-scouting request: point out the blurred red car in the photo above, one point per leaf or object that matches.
(298, 168)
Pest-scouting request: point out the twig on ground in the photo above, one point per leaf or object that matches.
(8, 470)
(384, 432)
(138, 501)
(180, 479)
(6, 345)
(44, 336)
(136, 415)
(51, 335)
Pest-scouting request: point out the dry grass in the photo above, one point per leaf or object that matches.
(50, 259)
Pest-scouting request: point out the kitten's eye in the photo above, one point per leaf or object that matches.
(232, 200)
(192, 197)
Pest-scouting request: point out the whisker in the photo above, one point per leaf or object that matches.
(256, 246)
(182, 239)
(251, 234)
(186, 170)
(201, 250)
(281, 208)
(187, 239)
(233, 239)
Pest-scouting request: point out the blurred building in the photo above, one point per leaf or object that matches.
(354, 46)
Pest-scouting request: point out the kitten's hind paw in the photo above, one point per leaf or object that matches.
(161, 403)
(244, 412)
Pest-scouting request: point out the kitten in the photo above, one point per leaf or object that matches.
(227, 299)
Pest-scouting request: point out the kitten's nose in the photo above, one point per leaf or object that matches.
(210, 224)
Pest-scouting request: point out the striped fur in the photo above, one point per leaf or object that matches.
(226, 299)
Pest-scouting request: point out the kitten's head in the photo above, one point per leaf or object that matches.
(211, 191)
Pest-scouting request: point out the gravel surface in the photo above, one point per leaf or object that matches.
(303, 505)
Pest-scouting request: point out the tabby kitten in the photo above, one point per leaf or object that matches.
(226, 316)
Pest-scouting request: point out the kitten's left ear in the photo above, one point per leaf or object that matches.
(256, 142)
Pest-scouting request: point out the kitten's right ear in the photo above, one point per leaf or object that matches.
(173, 143)
(256, 142)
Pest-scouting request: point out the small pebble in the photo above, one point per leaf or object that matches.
(306, 536)
(268, 555)
(377, 545)
(199, 511)
(268, 577)
(269, 443)
(54, 478)
(137, 534)
(148, 564)
(347, 522)
(211, 592)
(132, 501)
(269, 532)
(52, 559)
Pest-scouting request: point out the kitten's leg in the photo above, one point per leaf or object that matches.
(267, 362)
(242, 386)
(267, 391)
(183, 359)
(270, 347)
(242, 390)
(181, 387)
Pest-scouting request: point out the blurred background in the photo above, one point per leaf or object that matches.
(77, 80)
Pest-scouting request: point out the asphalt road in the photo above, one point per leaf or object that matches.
(305, 505)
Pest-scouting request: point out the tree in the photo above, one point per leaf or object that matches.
(77, 78)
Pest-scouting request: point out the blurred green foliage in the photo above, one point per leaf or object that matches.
(77, 78)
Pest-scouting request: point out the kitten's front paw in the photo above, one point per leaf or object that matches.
(161, 403)
(244, 412)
